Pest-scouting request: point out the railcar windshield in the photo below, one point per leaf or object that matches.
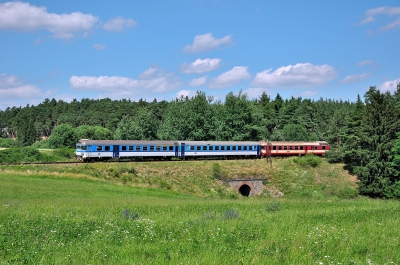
(81, 147)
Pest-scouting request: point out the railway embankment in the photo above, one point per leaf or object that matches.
(308, 177)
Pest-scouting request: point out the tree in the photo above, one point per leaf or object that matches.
(294, 132)
(63, 135)
(141, 127)
(376, 174)
(26, 133)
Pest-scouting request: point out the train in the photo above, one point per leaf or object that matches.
(96, 150)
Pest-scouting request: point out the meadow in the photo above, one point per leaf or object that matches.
(113, 213)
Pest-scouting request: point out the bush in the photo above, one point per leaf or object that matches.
(8, 142)
(15, 155)
(42, 144)
(64, 152)
(348, 192)
(308, 160)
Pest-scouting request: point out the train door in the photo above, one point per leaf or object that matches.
(116, 151)
(183, 150)
(176, 148)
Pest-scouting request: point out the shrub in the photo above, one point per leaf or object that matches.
(8, 142)
(348, 192)
(42, 144)
(15, 155)
(64, 152)
(308, 160)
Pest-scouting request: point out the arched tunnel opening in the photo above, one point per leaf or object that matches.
(245, 190)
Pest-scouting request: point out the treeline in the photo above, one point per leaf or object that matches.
(362, 134)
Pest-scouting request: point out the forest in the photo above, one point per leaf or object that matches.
(364, 135)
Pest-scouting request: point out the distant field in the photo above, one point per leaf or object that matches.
(53, 217)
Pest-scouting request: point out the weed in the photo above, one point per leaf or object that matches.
(130, 214)
(231, 214)
(273, 206)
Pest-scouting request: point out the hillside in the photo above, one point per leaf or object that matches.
(290, 176)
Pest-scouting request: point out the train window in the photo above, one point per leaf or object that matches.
(198, 148)
(123, 148)
(285, 147)
(234, 148)
(151, 148)
(130, 148)
(273, 147)
(99, 148)
(296, 148)
(107, 148)
(323, 147)
(228, 148)
(204, 148)
(315, 147)
(83, 147)
(301, 147)
(291, 147)
(279, 147)
(158, 148)
(144, 148)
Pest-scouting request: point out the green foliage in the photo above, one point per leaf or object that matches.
(334, 156)
(15, 154)
(379, 128)
(64, 153)
(26, 133)
(42, 144)
(348, 192)
(308, 160)
(8, 142)
(63, 135)
(294, 132)
(141, 127)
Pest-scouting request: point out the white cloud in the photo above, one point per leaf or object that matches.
(100, 46)
(371, 14)
(389, 85)
(309, 93)
(365, 62)
(10, 87)
(256, 92)
(198, 81)
(201, 66)
(230, 78)
(186, 93)
(151, 80)
(299, 75)
(354, 78)
(207, 42)
(119, 24)
(20, 16)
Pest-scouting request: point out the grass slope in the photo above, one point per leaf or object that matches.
(84, 214)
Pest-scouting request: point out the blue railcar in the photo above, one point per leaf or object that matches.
(106, 149)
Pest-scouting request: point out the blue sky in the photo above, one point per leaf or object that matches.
(165, 49)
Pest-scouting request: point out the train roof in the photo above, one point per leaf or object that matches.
(263, 143)
(220, 143)
(126, 142)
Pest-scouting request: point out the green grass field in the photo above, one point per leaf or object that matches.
(88, 214)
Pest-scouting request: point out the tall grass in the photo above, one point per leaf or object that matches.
(65, 220)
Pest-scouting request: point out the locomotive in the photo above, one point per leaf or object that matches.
(87, 150)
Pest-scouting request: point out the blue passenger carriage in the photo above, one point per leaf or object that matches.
(106, 149)
(219, 149)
